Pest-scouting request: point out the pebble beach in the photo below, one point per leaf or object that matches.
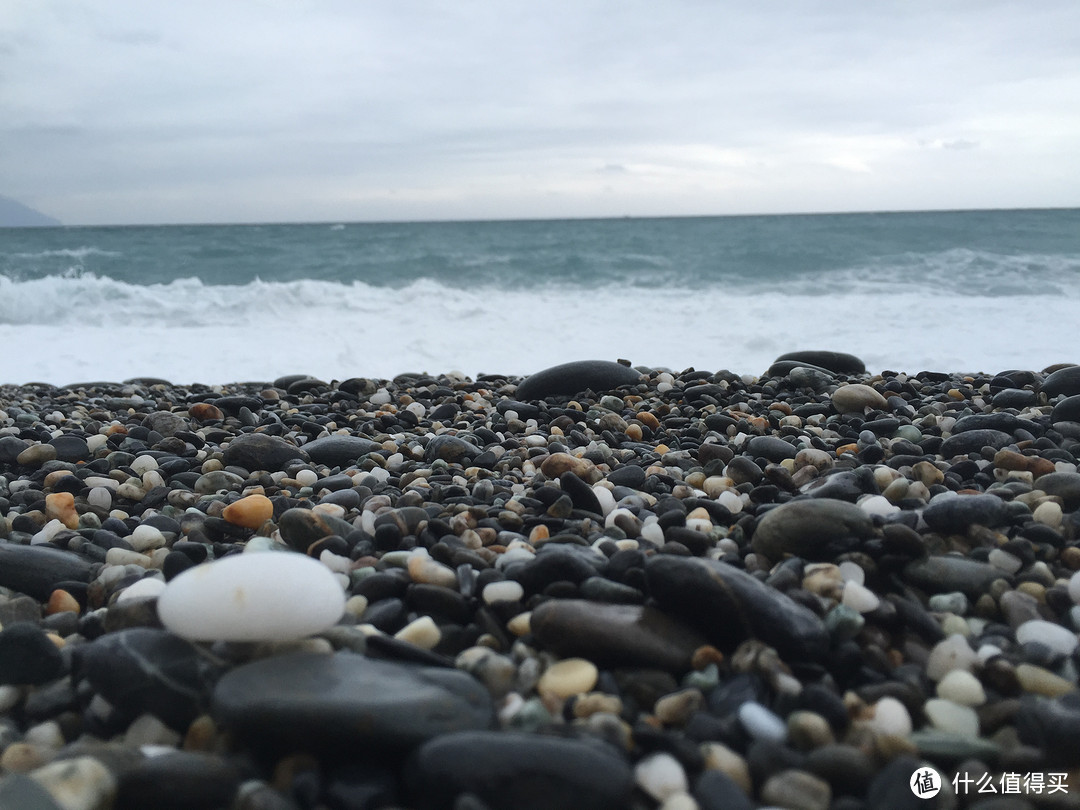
(601, 586)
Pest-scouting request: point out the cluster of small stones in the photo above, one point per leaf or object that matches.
(599, 587)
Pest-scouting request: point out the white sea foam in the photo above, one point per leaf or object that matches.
(61, 330)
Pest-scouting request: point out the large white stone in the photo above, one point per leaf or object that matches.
(1060, 639)
(262, 596)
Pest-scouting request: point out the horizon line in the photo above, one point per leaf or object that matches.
(508, 220)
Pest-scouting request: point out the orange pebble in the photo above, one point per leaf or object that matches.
(61, 506)
(60, 601)
(250, 512)
(539, 532)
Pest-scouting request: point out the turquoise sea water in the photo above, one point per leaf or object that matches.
(982, 290)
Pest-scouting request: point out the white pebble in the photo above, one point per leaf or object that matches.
(878, 505)
(952, 717)
(859, 597)
(952, 653)
(1060, 639)
(263, 596)
(891, 717)
(730, 501)
(660, 775)
(606, 499)
(145, 588)
(960, 686)
(146, 538)
(1048, 513)
(1074, 587)
(1004, 561)
(143, 464)
(307, 478)
(653, 532)
(100, 498)
(47, 532)
(422, 632)
(122, 556)
(852, 572)
(505, 591)
(762, 724)
(335, 562)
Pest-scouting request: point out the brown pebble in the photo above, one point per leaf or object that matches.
(21, 757)
(648, 419)
(1070, 557)
(558, 463)
(705, 655)
(60, 601)
(205, 412)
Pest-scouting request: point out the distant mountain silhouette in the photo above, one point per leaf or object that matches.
(14, 214)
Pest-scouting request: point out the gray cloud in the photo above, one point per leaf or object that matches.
(132, 112)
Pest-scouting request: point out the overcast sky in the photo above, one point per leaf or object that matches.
(238, 111)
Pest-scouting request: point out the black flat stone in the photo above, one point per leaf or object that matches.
(573, 378)
(333, 704)
(339, 451)
(148, 670)
(728, 606)
(814, 529)
(1063, 381)
(27, 656)
(837, 362)
(955, 515)
(945, 573)
(615, 635)
(35, 570)
(513, 771)
(177, 781)
(973, 441)
(261, 451)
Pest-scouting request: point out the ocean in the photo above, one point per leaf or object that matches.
(978, 291)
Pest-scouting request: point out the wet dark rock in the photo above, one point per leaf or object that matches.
(327, 703)
(35, 570)
(451, 448)
(1052, 724)
(147, 670)
(945, 573)
(817, 529)
(615, 635)
(27, 656)
(70, 448)
(339, 451)
(772, 448)
(177, 780)
(838, 362)
(728, 606)
(955, 515)
(973, 441)
(568, 379)
(1063, 381)
(512, 771)
(715, 790)
(1065, 485)
(261, 451)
